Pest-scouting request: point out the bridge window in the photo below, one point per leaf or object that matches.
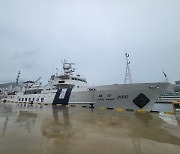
(100, 95)
(91, 89)
(61, 81)
(109, 95)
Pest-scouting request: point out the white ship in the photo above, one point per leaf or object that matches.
(72, 89)
(164, 102)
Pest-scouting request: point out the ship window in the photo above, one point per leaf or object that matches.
(77, 86)
(22, 99)
(29, 99)
(109, 95)
(37, 99)
(25, 99)
(35, 91)
(100, 95)
(91, 89)
(33, 99)
(19, 99)
(42, 99)
(61, 81)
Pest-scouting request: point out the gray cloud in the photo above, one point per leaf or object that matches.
(31, 66)
(37, 35)
(24, 54)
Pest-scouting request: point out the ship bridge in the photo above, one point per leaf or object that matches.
(68, 78)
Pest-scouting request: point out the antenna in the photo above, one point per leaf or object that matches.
(56, 71)
(128, 73)
(166, 78)
(52, 69)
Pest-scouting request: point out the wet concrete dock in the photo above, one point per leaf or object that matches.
(67, 130)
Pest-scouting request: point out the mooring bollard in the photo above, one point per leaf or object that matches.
(91, 105)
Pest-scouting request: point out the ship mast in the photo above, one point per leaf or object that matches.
(128, 73)
(67, 68)
(166, 78)
(17, 79)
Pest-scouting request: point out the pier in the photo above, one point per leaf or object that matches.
(65, 129)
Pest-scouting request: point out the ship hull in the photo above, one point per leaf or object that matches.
(126, 96)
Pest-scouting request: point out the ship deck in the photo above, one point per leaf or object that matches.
(57, 129)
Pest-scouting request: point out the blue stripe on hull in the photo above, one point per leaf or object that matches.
(63, 101)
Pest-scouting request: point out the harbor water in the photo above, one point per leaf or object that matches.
(59, 129)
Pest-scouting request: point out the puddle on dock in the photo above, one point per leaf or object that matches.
(67, 130)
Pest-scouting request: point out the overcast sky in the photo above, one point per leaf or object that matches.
(36, 35)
